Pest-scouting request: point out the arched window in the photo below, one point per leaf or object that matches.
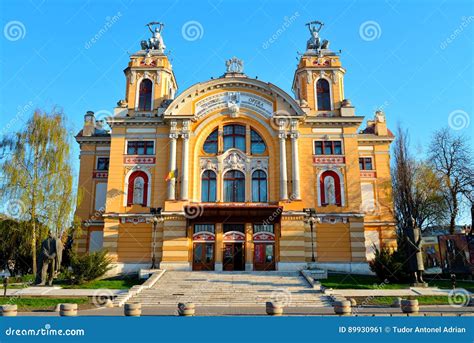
(234, 137)
(324, 98)
(144, 95)
(259, 186)
(257, 145)
(234, 186)
(137, 189)
(208, 186)
(330, 188)
(210, 145)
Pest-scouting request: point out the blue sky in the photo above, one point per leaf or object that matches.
(414, 59)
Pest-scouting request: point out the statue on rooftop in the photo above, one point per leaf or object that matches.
(156, 41)
(314, 43)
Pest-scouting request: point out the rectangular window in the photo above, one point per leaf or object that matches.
(103, 163)
(140, 147)
(96, 240)
(365, 163)
(262, 228)
(204, 227)
(100, 196)
(328, 148)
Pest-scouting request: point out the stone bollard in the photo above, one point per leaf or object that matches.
(410, 306)
(342, 307)
(8, 310)
(68, 310)
(133, 309)
(186, 309)
(274, 308)
(353, 302)
(397, 302)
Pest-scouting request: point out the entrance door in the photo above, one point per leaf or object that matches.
(234, 257)
(264, 257)
(203, 256)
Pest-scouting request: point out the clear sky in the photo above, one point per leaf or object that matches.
(414, 59)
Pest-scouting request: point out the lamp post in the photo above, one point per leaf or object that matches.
(157, 218)
(312, 219)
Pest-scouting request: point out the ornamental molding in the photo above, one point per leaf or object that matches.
(234, 159)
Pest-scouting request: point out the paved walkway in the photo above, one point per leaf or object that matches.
(441, 310)
(61, 292)
(414, 291)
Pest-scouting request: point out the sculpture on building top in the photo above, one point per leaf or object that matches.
(156, 41)
(314, 43)
(234, 65)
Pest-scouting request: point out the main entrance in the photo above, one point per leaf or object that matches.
(203, 258)
(234, 257)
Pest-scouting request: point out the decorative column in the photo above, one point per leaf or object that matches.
(185, 162)
(172, 166)
(295, 166)
(283, 173)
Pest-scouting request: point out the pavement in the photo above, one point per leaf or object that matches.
(55, 291)
(435, 310)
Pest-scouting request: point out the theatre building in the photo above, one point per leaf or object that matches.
(234, 173)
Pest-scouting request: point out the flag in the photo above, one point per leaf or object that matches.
(172, 175)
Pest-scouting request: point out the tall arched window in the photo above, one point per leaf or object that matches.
(208, 186)
(137, 189)
(257, 145)
(234, 137)
(144, 95)
(234, 186)
(324, 98)
(210, 145)
(259, 186)
(330, 188)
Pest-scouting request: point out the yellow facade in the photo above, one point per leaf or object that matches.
(315, 156)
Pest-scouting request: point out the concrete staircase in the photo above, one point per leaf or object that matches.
(248, 289)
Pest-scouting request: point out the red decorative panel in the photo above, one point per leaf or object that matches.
(368, 173)
(139, 160)
(100, 174)
(234, 236)
(263, 236)
(328, 159)
(204, 236)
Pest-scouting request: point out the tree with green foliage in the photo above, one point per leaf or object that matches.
(37, 176)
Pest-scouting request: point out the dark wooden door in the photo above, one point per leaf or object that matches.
(264, 256)
(234, 257)
(203, 256)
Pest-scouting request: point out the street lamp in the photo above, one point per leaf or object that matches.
(312, 219)
(157, 218)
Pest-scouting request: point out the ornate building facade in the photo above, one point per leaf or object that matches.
(223, 175)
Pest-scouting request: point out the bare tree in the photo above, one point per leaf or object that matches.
(418, 201)
(451, 158)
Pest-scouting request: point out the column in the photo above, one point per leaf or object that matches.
(185, 167)
(295, 166)
(172, 166)
(283, 173)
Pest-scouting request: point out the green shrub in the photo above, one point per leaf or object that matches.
(389, 265)
(88, 267)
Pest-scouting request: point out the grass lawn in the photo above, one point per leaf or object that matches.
(111, 283)
(37, 303)
(349, 281)
(387, 301)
